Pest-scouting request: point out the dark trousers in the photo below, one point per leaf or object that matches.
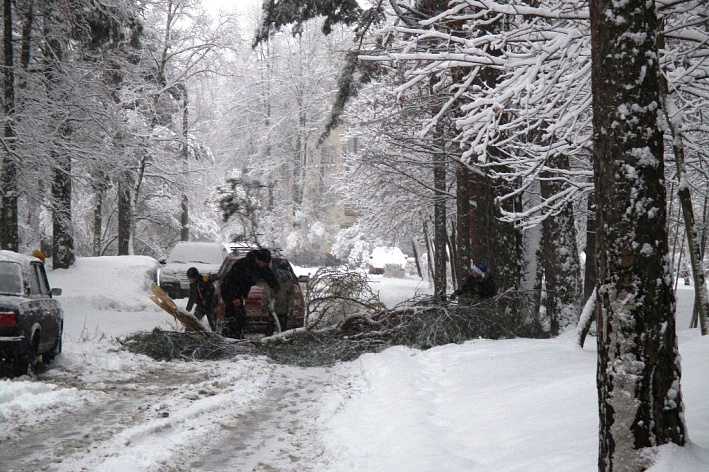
(282, 320)
(199, 313)
(235, 318)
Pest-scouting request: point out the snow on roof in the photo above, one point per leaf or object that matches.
(16, 257)
(383, 255)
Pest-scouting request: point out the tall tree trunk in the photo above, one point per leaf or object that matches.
(590, 272)
(125, 185)
(185, 215)
(462, 221)
(63, 230)
(440, 222)
(97, 225)
(560, 254)
(638, 376)
(100, 184)
(9, 218)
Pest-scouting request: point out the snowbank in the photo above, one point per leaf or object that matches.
(108, 296)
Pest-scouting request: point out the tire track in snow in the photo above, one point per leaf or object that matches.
(275, 435)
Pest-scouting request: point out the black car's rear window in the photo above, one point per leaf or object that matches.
(207, 254)
(10, 278)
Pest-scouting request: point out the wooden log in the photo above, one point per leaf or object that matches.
(188, 320)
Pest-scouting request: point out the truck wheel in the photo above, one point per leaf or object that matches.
(24, 364)
(48, 357)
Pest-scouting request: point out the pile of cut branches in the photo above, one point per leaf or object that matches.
(189, 345)
(335, 292)
(424, 324)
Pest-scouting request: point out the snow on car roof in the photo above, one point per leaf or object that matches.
(13, 256)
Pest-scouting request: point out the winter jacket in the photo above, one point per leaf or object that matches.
(243, 275)
(480, 287)
(283, 299)
(202, 294)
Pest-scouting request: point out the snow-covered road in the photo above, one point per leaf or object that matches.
(246, 414)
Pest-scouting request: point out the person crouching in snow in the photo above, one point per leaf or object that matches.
(202, 296)
(478, 285)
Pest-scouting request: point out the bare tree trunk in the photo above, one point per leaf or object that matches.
(125, 185)
(9, 217)
(100, 185)
(560, 255)
(63, 230)
(417, 258)
(185, 215)
(440, 230)
(638, 375)
(429, 252)
(590, 275)
(462, 221)
(453, 255)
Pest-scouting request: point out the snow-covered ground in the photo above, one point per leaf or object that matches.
(514, 405)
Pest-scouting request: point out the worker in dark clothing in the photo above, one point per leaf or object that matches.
(282, 302)
(244, 274)
(478, 285)
(202, 297)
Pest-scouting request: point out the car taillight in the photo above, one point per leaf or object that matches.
(7, 320)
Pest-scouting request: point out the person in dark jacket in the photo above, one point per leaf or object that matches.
(202, 297)
(244, 274)
(281, 302)
(478, 285)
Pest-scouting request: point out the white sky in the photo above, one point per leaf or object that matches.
(241, 5)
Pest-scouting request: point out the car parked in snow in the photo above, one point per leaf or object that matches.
(31, 320)
(256, 319)
(206, 257)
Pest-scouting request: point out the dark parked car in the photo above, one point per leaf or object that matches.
(206, 257)
(31, 320)
(256, 319)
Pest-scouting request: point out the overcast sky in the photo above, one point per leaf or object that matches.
(229, 4)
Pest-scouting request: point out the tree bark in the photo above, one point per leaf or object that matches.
(125, 185)
(638, 376)
(9, 217)
(590, 271)
(560, 255)
(63, 230)
(185, 215)
(462, 221)
(439, 223)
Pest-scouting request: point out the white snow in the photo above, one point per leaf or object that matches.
(494, 406)
(382, 256)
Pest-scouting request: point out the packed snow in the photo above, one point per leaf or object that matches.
(493, 406)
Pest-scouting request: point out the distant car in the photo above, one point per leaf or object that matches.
(206, 257)
(31, 320)
(256, 320)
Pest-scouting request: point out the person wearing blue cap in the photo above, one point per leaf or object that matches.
(478, 285)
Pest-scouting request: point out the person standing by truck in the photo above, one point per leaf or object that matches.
(244, 274)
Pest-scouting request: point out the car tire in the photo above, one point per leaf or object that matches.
(48, 357)
(24, 364)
